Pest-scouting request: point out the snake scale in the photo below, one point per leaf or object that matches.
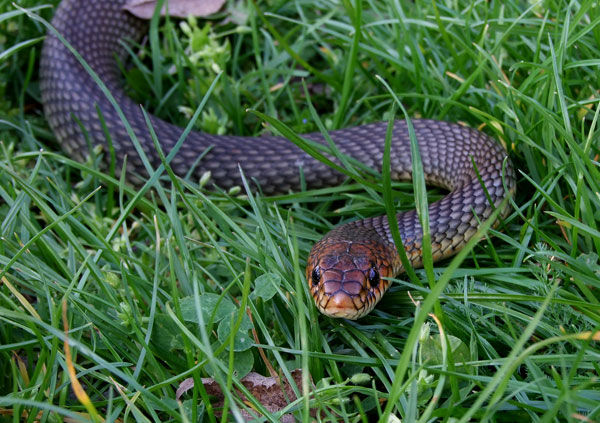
(348, 270)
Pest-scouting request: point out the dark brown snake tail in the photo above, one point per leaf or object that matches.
(346, 269)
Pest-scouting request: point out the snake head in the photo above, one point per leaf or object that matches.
(348, 277)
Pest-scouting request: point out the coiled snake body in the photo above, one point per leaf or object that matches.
(347, 269)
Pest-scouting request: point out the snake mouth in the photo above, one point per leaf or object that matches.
(341, 313)
(341, 305)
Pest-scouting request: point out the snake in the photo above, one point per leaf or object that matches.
(352, 266)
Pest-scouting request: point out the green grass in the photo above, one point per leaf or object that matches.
(134, 270)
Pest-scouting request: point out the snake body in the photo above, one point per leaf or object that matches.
(347, 270)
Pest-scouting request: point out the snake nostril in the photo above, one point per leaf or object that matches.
(373, 277)
(316, 275)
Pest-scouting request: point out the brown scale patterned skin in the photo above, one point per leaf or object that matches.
(350, 271)
(349, 259)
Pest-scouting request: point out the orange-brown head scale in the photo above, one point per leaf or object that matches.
(346, 277)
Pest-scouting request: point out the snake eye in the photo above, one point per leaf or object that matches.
(373, 277)
(316, 275)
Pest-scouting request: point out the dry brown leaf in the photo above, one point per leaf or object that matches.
(267, 390)
(144, 9)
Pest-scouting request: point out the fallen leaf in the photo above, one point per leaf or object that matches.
(267, 390)
(144, 9)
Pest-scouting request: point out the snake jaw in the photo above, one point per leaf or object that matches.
(346, 278)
